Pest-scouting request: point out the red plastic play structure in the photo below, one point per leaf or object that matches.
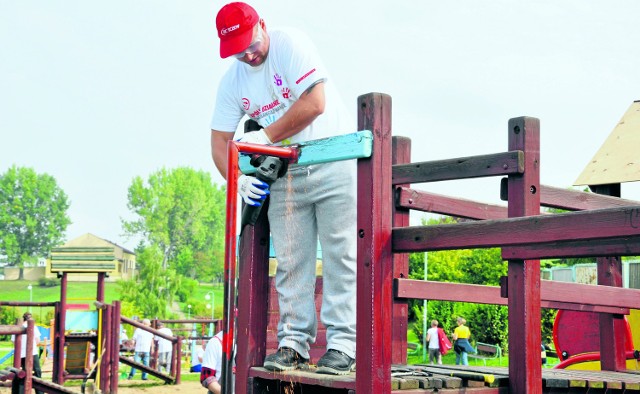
(605, 226)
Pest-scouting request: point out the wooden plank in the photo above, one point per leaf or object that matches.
(591, 294)
(87, 249)
(82, 267)
(615, 223)
(151, 371)
(49, 387)
(452, 206)
(623, 246)
(342, 147)
(449, 382)
(550, 196)
(375, 271)
(496, 164)
(400, 153)
(524, 275)
(309, 377)
(557, 295)
(83, 257)
(574, 200)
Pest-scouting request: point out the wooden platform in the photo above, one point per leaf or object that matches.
(446, 378)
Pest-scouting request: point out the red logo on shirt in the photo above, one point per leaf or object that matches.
(305, 75)
(246, 103)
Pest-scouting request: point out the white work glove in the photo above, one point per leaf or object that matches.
(252, 190)
(256, 137)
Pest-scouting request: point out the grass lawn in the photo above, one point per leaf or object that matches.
(450, 357)
(85, 293)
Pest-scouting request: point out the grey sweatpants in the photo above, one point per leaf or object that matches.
(307, 204)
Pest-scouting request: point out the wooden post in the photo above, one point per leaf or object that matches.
(525, 364)
(100, 290)
(17, 355)
(59, 353)
(178, 360)
(105, 338)
(400, 154)
(115, 348)
(612, 326)
(375, 268)
(28, 359)
(612, 342)
(253, 300)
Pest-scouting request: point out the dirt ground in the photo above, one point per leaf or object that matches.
(137, 387)
(144, 387)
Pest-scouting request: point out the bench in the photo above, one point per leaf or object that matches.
(485, 351)
(414, 349)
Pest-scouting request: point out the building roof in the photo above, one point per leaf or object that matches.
(89, 239)
(617, 160)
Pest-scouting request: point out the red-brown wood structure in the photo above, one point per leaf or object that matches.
(607, 227)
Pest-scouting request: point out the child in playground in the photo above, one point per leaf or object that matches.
(196, 360)
(212, 364)
(143, 340)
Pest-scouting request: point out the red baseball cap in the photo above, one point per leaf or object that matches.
(235, 22)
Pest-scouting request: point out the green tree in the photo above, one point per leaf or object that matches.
(182, 213)
(483, 267)
(154, 289)
(33, 215)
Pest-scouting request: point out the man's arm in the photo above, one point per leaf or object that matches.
(219, 141)
(301, 114)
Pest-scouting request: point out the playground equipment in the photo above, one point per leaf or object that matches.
(22, 375)
(577, 344)
(608, 226)
(173, 377)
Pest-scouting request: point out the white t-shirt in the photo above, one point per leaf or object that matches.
(143, 340)
(23, 343)
(164, 345)
(433, 339)
(266, 92)
(212, 358)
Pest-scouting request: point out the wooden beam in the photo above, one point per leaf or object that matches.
(342, 147)
(496, 164)
(430, 202)
(619, 246)
(572, 226)
(574, 200)
(375, 271)
(400, 153)
(525, 366)
(555, 295)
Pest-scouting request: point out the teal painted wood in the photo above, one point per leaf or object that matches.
(343, 147)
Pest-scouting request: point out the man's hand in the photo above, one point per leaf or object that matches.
(252, 190)
(256, 137)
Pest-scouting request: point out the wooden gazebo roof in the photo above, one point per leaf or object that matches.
(617, 160)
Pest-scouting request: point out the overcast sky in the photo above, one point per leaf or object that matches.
(96, 93)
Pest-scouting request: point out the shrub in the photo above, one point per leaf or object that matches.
(48, 282)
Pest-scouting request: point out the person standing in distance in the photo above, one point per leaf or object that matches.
(280, 82)
(37, 371)
(164, 348)
(143, 340)
(434, 343)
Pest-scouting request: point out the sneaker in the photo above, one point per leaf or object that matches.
(285, 359)
(335, 362)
